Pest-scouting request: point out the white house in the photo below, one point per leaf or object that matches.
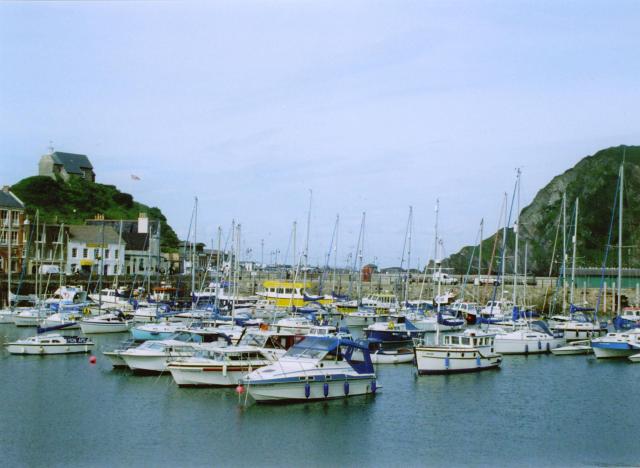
(92, 248)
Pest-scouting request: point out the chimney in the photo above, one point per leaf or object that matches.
(143, 223)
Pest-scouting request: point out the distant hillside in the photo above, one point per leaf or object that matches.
(593, 180)
(78, 200)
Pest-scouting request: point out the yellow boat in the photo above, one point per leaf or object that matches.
(289, 293)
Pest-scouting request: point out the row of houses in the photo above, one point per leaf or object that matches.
(113, 247)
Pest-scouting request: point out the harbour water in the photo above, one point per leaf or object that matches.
(536, 411)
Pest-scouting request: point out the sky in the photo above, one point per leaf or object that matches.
(374, 106)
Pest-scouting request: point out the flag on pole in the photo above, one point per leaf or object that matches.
(135, 177)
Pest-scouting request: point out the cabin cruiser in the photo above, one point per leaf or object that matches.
(381, 302)
(394, 329)
(50, 343)
(467, 310)
(296, 324)
(156, 331)
(115, 322)
(534, 338)
(470, 351)
(431, 323)
(317, 368)
(116, 297)
(362, 317)
(290, 294)
(628, 319)
(154, 355)
(496, 311)
(217, 367)
(617, 345)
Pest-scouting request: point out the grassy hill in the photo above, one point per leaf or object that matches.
(78, 200)
(592, 180)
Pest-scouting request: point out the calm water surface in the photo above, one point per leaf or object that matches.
(536, 411)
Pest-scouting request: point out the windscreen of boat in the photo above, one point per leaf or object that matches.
(252, 339)
(542, 327)
(313, 348)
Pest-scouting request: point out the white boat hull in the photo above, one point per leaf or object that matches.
(524, 346)
(612, 353)
(115, 358)
(571, 350)
(41, 349)
(97, 327)
(212, 376)
(433, 361)
(390, 357)
(7, 316)
(358, 320)
(295, 391)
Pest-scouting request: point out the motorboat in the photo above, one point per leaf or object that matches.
(118, 297)
(361, 317)
(50, 343)
(114, 354)
(379, 355)
(534, 338)
(156, 331)
(296, 324)
(634, 358)
(617, 344)
(578, 325)
(467, 310)
(628, 319)
(430, 323)
(381, 302)
(106, 323)
(394, 329)
(217, 367)
(153, 356)
(32, 316)
(290, 294)
(495, 311)
(573, 347)
(317, 368)
(469, 351)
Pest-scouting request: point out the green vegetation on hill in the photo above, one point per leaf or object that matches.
(592, 180)
(75, 201)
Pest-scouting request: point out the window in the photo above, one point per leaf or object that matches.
(14, 237)
(74, 253)
(116, 254)
(106, 253)
(85, 253)
(115, 269)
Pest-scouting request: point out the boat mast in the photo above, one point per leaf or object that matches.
(480, 252)
(574, 240)
(296, 261)
(620, 238)
(504, 247)
(524, 287)
(306, 247)
(564, 251)
(335, 256)
(193, 251)
(435, 246)
(406, 278)
(517, 232)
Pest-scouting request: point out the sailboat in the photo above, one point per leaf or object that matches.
(625, 343)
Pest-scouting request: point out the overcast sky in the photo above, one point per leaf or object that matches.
(374, 106)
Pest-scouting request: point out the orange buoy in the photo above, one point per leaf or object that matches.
(239, 389)
(93, 359)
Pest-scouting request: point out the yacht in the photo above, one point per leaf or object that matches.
(317, 368)
(395, 329)
(381, 302)
(617, 345)
(361, 317)
(50, 343)
(106, 323)
(534, 338)
(470, 351)
(217, 367)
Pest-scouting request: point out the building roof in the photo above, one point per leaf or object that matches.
(136, 241)
(9, 200)
(73, 163)
(94, 234)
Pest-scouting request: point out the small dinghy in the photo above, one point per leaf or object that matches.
(575, 347)
(379, 355)
(51, 343)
